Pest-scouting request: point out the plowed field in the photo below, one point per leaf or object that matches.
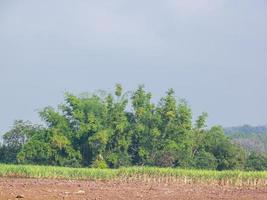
(33, 189)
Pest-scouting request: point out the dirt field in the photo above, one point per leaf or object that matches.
(58, 189)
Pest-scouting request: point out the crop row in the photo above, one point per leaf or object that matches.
(147, 174)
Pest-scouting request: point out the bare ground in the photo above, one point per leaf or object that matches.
(33, 189)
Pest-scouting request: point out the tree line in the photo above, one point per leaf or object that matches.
(107, 130)
(251, 138)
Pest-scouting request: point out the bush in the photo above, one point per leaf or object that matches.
(99, 163)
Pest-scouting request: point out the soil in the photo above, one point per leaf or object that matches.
(31, 189)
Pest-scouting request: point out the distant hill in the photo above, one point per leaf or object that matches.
(251, 138)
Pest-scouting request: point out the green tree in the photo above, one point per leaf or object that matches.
(205, 160)
(118, 124)
(14, 139)
(102, 130)
(228, 155)
(84, 116)
(145, 131)
(256, 162)
(175, 126)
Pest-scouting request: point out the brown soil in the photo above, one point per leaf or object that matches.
(10, 188)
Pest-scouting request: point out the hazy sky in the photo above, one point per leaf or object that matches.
(212, 52)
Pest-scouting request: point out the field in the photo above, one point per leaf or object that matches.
(39, 182)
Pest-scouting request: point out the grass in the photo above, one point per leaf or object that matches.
(147, 174)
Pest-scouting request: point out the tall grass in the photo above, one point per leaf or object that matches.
(147, 174)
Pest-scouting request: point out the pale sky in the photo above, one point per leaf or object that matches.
(212, 52)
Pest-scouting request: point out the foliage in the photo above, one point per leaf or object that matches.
(100, 163)
(256, 162)
(228, 155)
(104, 130)
(14, 139)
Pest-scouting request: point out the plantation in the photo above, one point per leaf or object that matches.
(143, 174)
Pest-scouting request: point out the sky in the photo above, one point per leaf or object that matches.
(213, 53)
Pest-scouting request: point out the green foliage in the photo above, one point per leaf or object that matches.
(19, 134)
(228, 155)
(14, 140)
(201, 121)
(256, 162)
(36, 152)
(145, 134)
(99, 130)
(99, 162)
(205, 160)
(48, 147)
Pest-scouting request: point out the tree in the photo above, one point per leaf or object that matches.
(175, 126)
(14, 139)
(205, 160)
(118, 124)
(256, 162)
(84, 118)
(145, 134)
(228, 155)
(20, 133)
(101, 130)
(49, 147)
